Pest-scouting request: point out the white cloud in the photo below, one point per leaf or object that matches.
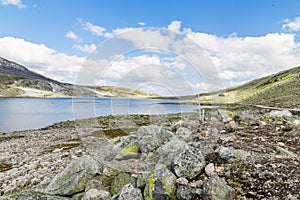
(17, 3)
(71, 35)
(41, 59)
(292, 25)
(86, 48)
(97, 30)
(175, 26)
(141, 23)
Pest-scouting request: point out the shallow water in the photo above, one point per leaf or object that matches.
(30, 113)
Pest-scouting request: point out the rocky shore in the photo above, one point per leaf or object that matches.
(236, 153)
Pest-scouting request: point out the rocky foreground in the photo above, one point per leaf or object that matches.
(237, 153)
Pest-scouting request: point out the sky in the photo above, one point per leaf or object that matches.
(166, 47)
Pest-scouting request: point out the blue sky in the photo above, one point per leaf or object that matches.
(71, 29)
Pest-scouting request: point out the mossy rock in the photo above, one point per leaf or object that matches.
(160, 184)
(129, 151)
(120, 181)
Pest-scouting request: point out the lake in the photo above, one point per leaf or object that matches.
(30, 113)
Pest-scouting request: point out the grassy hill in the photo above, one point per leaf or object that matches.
(18, 81)
(281, 89)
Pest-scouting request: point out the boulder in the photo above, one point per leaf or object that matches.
(130, 192)
(95, 194)
(184, 133)
(184, 193)
(279, 113)
(231, 154)
(151, 137)
(130, 151)
(188, 163)
(161, 184)
(74, 178)
(168, 151)
(217, 189)
(120, 181)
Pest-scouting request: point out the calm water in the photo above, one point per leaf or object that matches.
(27, 113)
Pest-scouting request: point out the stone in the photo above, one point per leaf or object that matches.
(286, 152)
(188, 163)
(296, 122)
(210, 169)
(184, 193)
(217, 189)
(131, 151)
(279, 113)
(225, 116)
(94, 183)
(73, 179)
(182, 181)
(95, 194)
(129, 192)
(120, 181)
(231, 154)
(184, 133)
(152, 137)
(160, 184)
(168, 151)
(231, 126)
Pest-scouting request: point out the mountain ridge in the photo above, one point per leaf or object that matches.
(18, 81)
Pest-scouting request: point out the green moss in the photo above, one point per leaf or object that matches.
(130, 149)
(65, 146)
(148, 192)
(120, 181)
(112, 133)
(171, 190)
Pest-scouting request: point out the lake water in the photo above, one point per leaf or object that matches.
(29, 113)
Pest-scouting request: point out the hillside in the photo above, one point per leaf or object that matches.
(281, 89)
(17, 81)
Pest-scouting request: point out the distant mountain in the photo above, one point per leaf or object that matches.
(281, 89)
(17, 81)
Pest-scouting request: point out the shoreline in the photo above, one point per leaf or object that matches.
(31, 159)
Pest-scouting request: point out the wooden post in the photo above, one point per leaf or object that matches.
(199, 108)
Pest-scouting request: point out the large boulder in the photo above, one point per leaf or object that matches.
(74, 178)
(184, 133)
(95, 194)
(168, 151)
(151, 137)
(231, 154)
(120, 181)
(217, 189)
(279, 113)
(130, 192)
(188, 163)
(160, 185)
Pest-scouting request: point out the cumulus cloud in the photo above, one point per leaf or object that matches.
(141, 23)
(71, 35)
(292, 25)
(17, 3)
(86, 48)
(41, 59)
(175, 26)
(97, 30)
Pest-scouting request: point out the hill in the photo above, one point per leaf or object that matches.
(17, 81)
(281, 89)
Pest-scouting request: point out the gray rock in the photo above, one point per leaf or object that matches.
(168, 151)
(95, 194)
(151, 137)
(296, 122)
(231, 154)
(279, 113)
(120, 181)
(129, 192)
(31, 196)
(94, 183)
(286, 152)
(161, 184)
(74, 178)
(188, 163)
(184, 133)
(184, 193)
(225, 116)
(210, 169)
(217, 189)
